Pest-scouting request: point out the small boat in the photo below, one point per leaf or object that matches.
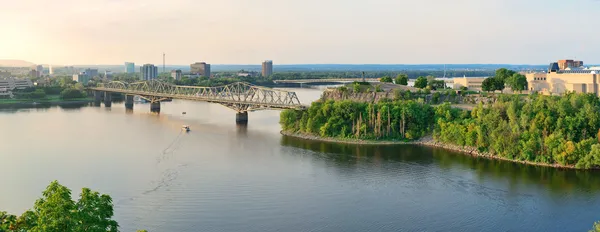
(186, 128)
(183, 112)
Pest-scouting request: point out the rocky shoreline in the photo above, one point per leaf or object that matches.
(425, 141)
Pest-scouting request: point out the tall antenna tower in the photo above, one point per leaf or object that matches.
(163, 62)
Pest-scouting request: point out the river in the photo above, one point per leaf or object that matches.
(223, 177)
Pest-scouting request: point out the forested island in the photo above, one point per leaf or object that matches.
(546, 130)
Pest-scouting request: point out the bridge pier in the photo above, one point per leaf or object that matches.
(155, 107)
(107, 99)
(97, 98)
(128, 101)
(241, 118)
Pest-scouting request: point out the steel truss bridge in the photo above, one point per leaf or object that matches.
(241, 96)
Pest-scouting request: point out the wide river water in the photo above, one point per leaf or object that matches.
(223, 177)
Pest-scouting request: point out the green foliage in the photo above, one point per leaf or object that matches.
(464, 88)
(436, 84)
(596, 227)
(57, 212)
(517, 82)
(402, 79)
(492, 84)
(503, 74)
(554, 130)
(378, 88)
(399, 120)
(386, 79)
(421, 82)
(435, 98)
(72, 93)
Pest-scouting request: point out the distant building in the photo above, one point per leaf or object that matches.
(564, 64)
(40, 69)
(472, 83)
(243, 73)
(50, 70)
(149, 72)
(200, 68)
(15, 83)
(129, 67)
(7, 85)
(108, 75)
(34, 73)
(267, 68)
(82, 78)
(557, 81)
(4, 74)
(176, 74)
(92, 72)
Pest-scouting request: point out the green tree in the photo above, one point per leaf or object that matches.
(503, 74)
(421, 82)
(517, 82)
(71, 93)
(386, 79)
(488, 84)
(57, 212)
(402, 79)
(596, 227)
(498, 84)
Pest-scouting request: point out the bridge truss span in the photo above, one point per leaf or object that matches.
(240, 96)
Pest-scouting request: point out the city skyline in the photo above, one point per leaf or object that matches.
(292, 32)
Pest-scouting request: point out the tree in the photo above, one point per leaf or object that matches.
(71, 93)
(386, 79)
(421, 82)
(498, 84)
(57, 212)
(503, 74)
(488, 84)
(596, 227)
(402, 79)
(517, 82)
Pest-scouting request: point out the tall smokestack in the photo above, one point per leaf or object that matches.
(163, 62)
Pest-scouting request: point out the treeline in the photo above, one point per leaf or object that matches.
(399, 120)
(553, 130)
(544, 129)
(412, 74)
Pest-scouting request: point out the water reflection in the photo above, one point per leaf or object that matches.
(557, 181)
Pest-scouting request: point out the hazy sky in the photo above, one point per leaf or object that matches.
(299, 31)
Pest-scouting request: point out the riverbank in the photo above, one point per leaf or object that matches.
(429, 142)
(10, 103)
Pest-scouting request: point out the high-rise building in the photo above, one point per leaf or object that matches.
(82, 78)
(267, 68)
(50, 70)
(149, 72)
(176, 74)
(40, 69)
(108, 74)
(129, 67)
(91, 72)
(200, 68)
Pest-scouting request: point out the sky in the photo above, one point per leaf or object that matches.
(77, 32)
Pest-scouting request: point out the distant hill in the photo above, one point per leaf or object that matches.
(15, 63)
